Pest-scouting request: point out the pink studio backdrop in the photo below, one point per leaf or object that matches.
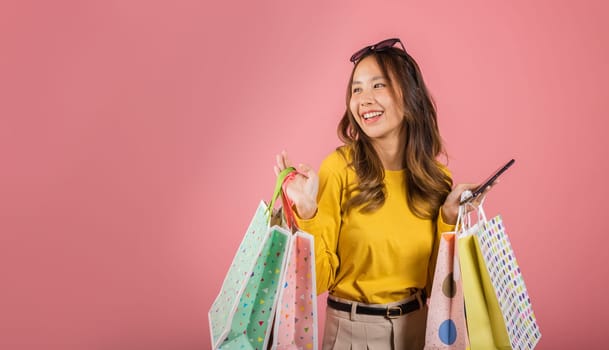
(137, 138)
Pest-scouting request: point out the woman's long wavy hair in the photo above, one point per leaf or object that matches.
(426, 182)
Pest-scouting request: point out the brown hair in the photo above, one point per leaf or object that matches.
(427, 183)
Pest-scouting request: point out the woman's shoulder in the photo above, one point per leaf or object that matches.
(337, 163)
(338, 159)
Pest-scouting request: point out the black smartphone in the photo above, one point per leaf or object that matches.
(489, 181)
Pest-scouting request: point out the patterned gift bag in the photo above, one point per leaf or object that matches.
(241, 315)
(499, 312)
(296, 322)
(505, 277)
(446, 318)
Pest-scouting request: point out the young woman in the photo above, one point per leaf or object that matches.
(378, 206)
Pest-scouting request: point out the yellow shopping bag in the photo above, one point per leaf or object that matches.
(485, 325)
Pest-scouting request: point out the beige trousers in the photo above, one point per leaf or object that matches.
(350, 331)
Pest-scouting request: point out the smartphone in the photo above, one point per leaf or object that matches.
(488, 181)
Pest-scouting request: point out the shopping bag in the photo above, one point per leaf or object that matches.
(498, 309)
(242, 313)
(446, 317)
(296, 322)
(484, 321)
(504, 276)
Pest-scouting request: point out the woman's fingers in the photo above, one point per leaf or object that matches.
(305, 170)
(480, 198)
(286, 162)
(482, 195)
(279, 165)
(465, 187)
(282, 161)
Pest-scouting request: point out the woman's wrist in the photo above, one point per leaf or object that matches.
(449, 215)
(306, 209)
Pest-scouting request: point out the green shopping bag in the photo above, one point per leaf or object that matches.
(242, 313)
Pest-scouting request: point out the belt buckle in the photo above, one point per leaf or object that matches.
(393, 308)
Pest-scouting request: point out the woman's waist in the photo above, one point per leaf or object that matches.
(416, 300)
(376, 292)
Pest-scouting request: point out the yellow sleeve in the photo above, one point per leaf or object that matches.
(325, 225)
(441, 227)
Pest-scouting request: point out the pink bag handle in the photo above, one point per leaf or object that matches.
(287, 203)
(286, 175)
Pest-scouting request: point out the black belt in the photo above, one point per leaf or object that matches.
(391, 311)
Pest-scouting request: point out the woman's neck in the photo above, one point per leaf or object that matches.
(391, 154)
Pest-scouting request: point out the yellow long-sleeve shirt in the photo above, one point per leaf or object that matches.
(375, 257)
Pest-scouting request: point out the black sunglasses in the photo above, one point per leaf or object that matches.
(380, 46)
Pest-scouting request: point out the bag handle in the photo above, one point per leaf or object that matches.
(463, 222)
(481, 214)
(287, 203)
(283, 178)
(464, 218)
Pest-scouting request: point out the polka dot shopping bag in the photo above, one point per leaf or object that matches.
(446, 318)
(497, 304)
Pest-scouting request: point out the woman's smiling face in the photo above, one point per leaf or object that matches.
(374, 105)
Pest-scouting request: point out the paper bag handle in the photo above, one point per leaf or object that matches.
(283, 178)
(287, 203)
(464, 221)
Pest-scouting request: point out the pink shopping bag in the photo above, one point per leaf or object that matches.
(446, 327)
(296, 315)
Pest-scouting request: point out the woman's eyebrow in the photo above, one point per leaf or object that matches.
(378, 77)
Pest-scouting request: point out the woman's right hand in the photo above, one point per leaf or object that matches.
(302, 190)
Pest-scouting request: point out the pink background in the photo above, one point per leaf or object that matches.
(137, 138)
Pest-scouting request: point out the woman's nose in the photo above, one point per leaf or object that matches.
(366, 98)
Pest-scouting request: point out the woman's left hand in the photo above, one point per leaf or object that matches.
(450, 208)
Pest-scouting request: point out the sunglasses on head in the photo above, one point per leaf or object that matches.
(380, 46)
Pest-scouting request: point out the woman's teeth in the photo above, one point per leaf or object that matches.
(371, 115)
